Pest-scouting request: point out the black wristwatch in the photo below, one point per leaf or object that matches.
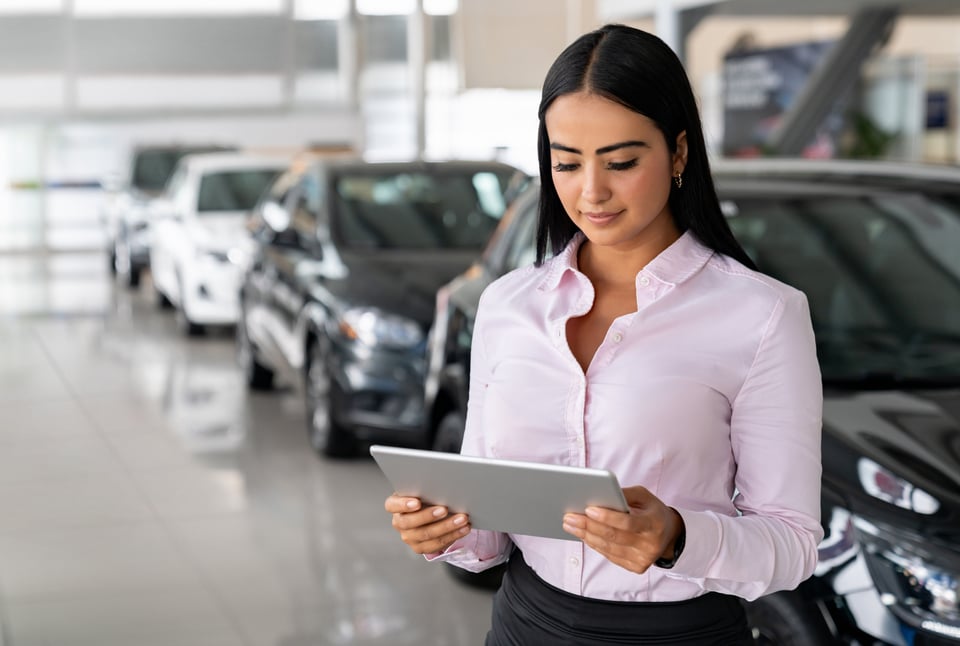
(678, 544)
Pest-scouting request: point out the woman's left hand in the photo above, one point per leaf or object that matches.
(633, 540)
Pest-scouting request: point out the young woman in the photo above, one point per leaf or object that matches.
(648, 345)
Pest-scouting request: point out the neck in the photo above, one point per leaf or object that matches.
(616, 266)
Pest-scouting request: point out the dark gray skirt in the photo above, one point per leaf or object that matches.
(527, 611)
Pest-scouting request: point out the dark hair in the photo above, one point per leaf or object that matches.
(639, 71)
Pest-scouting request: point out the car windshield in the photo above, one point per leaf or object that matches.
(441, 209)
(881, 273)
(153, 167)
(236, 190)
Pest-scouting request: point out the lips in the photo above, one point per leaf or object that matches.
(601, 218)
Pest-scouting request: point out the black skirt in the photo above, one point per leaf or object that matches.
(527, 611)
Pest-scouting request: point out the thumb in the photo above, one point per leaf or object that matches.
(639, 497)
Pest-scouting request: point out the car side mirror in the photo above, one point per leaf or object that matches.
(276, 217)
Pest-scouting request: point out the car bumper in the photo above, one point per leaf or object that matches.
(380, 393)
(211, 293)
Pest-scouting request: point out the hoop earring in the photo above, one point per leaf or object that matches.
(678, 180)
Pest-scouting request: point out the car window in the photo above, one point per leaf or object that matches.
(522, 249)
(880, 274)
(305, 211)
(448, 209)
(237, 190)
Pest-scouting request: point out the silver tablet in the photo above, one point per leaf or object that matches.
(501, 495)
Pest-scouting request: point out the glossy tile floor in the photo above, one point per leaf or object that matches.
(147, 500)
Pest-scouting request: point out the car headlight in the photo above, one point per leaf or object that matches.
(374, 327)
(919, 586)
(888, 487)
(212, 254)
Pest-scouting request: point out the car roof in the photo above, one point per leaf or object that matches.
(205, 162)
(865, 174)
(353, 163)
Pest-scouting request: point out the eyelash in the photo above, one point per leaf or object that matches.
(566, 168)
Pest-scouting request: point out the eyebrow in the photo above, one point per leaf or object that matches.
(600, 151)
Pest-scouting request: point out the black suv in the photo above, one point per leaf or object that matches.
(876, 249)
(339, 294)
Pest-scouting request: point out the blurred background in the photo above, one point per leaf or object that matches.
(149, 495)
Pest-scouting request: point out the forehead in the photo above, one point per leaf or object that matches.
(588, 117)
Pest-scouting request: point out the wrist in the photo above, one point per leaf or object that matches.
(669, 558)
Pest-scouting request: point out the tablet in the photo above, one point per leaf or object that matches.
(502, 495)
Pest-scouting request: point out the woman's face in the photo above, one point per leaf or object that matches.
(612, 170)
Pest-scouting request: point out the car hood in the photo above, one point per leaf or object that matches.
(403, 283)
(914, 435)
(219, 232)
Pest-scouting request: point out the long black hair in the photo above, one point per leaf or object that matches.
(639, 71)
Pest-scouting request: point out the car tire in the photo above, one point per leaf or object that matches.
(786, 619)
(449, 435)
(185, 325)
(256, 375)
(133, 278)
(326, 436)
(113, 260)
(161, 299)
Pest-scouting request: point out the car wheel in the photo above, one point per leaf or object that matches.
(133, 278)
(326, 436)
(113, 260)
(786, 619)
(449, 434)
(257, 376)
(185, 325)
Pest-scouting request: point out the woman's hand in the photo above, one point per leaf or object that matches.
(633, 540)
(426, 530)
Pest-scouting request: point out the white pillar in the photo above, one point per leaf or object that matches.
(666, 23)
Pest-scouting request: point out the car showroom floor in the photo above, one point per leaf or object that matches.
(147, 499)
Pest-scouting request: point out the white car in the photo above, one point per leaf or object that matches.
(197, 252)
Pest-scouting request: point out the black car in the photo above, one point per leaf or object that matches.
(876, 249)
(339, 295)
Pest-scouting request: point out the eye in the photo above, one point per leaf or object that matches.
(622, 165)
(564, 168)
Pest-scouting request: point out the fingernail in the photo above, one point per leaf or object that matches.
(593, 512)
(463, 530)
(459, 520)
(439, 511)
(411, 504)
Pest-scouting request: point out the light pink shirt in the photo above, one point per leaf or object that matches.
(709, 396)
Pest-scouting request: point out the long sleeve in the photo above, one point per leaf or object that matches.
(775, 434)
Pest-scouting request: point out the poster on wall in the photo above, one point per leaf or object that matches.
(759, 86)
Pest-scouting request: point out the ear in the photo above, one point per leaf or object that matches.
(680, 156)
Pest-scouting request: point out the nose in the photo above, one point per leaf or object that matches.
(595, 189)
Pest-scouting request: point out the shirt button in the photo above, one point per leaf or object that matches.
(617, 337)
(644, 281)
(574, 561)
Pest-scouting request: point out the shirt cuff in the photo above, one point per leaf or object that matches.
(704, 534)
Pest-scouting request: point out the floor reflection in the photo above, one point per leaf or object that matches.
(168, 506)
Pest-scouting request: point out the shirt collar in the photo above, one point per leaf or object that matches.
(674, 265)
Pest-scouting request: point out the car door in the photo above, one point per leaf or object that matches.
(261, 308)
(298, 265)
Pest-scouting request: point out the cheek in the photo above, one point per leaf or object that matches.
(567, 188)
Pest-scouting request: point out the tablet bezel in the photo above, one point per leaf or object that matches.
(510, 496)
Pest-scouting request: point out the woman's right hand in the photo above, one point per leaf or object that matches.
(427, 530)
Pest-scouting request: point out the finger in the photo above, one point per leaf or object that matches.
(399, 504)
(638, 496)
(420, 518)
(436, 537)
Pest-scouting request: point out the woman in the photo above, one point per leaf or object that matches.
(648, 345)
